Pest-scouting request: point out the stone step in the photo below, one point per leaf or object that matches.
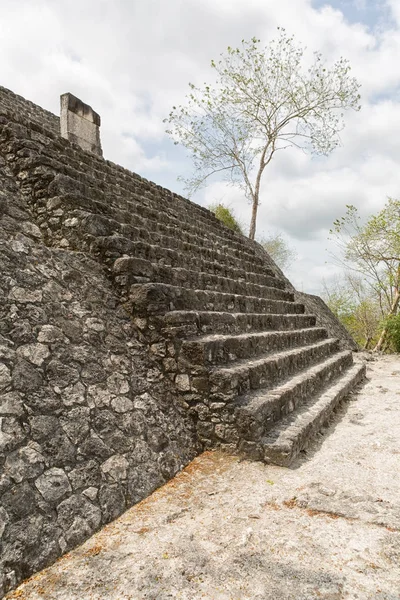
(96, 186)
(151, 299)
(28, 111)
(133, 243)
(196, 355)
(110, 217)
(134, 209)
(258, 411)
(130, 187)
(226, 383)
(294, 432)
(72, 191)
(163, 264)
(100, 225)
(127, 271)
(192, 323)
(154, 196)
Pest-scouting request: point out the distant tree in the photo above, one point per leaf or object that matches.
(279, 250)
(373, 250)
(264, 100)
(356, 306)
(227, 216)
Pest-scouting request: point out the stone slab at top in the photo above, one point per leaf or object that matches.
(80, 123)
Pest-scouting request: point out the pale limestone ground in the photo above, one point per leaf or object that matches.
(329, 528)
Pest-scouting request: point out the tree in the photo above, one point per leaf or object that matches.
(279, 250)
(263, 100)
(227, 216)
(373, 250)
(356, 306)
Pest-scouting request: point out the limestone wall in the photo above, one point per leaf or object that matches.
(31, 112)
(88, 424)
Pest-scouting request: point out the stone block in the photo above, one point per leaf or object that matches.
(80, 124)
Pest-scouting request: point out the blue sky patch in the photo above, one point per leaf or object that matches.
(372, 13)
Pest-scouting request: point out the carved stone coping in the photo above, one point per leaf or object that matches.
(80, 124)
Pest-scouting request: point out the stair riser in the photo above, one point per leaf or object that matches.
(196, 353)
(226, 388)
(182, 260)
(136, 228)
(146, 204)
(209, 283)
(191, 324)
(157, 299)
(181, 210)
(252, 427)
(192, 246)
(284, 457)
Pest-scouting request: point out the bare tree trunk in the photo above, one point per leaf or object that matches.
(256, 194)
(393, 311)
(253, 222)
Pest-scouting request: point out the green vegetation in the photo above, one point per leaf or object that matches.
(367, 300)
(227, 216)
(279, 250)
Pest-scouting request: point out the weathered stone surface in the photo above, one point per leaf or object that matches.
(78, 507)
(4, 519)
(35, 353)
(11, 404)
(12, 434)
(49, 334)
(19, 501)
(80, 123)
(112, 502)
(122, 404)
(86, 474)
(5, 377)
(115, 467)
(53, 484)
(76, 424)
(26, 377)
(25, 463)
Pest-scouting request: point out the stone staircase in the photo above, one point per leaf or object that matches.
(256, 373)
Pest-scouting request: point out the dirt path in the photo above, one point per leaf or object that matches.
(329, 528)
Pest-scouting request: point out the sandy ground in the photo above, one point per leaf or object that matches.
(328, 528)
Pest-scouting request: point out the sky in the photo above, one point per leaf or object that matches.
(132, 60)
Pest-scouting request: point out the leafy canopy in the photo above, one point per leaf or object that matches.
(372, 249)
(263, 100)
(279, 250)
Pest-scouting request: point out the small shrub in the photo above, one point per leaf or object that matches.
(227, 216)
(393, 332)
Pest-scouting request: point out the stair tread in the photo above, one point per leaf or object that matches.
(286, 432)
(179, 277)
(195, 313)
(230, 272)
(243, 365)
(193, 244)
(245, 336)
(252, 401)
(177, 296)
